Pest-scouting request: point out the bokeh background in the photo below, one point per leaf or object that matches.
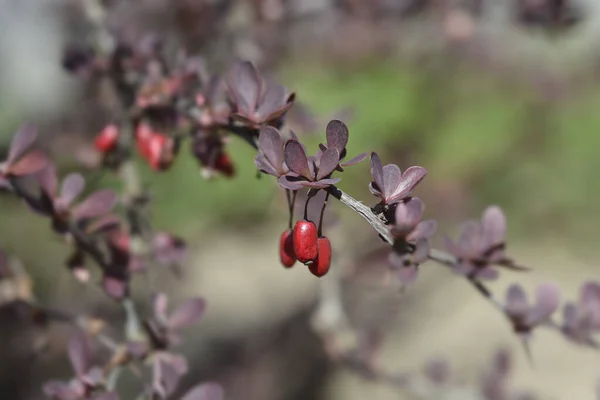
(499, 100)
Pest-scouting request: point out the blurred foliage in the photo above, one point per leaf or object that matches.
(500, 142)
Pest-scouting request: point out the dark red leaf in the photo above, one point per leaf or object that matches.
(22, 140)
(80, 353)
(408, 181)
(354, 160)
(322, 184)
(291, 182)
(71, 188)
(424, 230)
(272, 100)
(494, 225)
(187, 313)
(246, 85)
(337, 135)
(296, 160)
(377, 171)
(48, 180)
(327, 162)
(96, 204)
(270, 144)
(30, 163)
(516, 301)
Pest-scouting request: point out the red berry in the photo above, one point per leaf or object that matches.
(286, 249)
(224, 165)
(108, 138)
(305, 241)
(321, 265)
(143, 134)
(160, 151)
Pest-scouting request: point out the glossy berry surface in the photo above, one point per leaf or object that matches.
(321, 264)
(157, 146)
(107, 139)
(286, 249)
(305, 241)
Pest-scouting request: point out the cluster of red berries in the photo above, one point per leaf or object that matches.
(156, 148)
(304, 244)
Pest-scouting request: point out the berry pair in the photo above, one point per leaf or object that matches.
(304, 244)
(156, 148)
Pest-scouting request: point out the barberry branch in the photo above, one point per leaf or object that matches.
(382, 229)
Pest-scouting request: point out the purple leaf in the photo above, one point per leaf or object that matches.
(547, 300)
(213, 89)
(22, 140)
(187, 313)
(424, 230)
(391, 179)
(408, 214)
(471, 237)
(71, 187)
(30, 163)
(104, 224)
(246, 86)
(278, 113)
(296, 160)
(290, 182)
(272, 100)
(488, 274)
(590, 302)
(80, 353)
(322, 184)
(243, 119)
(264, 165)
(590, 293)
(271, 145)
(453, 248)
(354, 160)
(409, 180)
(96, 204)
(205, 391)
(337, 135)
(494, 225)
(377, 171)
(48, 180)
(516, 300)
(422, 250)
(160, 303)
(327, 162)
(166, 377)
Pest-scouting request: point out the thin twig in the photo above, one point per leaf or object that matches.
(439, 256)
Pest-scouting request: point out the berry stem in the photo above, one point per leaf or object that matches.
(291, 198)
(306, 208)
(322, 214)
